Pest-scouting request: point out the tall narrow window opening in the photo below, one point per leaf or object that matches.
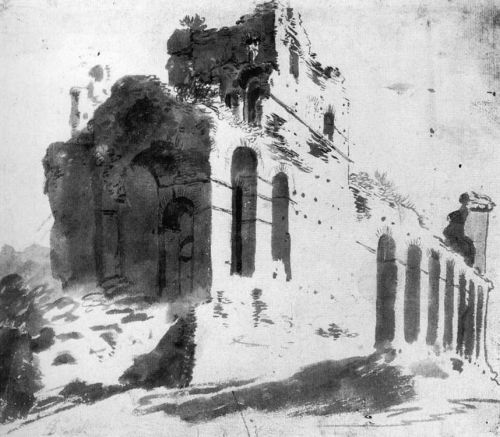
(412, 294)
(433, 301)
(244, 211)
(449, 294)
(387, 280)
(280, 236)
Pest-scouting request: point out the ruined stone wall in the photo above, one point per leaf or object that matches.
(301, 136)
(110, 194)
(315, 198)
(233, 63)
(315, 93)
(434, 299)
(265, 56)
(413, 294)
(247, 201)
(68, 170)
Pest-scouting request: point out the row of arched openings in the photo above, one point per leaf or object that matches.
(244, 215)
(470, 318)
(176, 259)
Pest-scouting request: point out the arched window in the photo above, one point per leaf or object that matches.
(280, 236)
(412, 294)
(387, 280)
(462, 313)
(449, 304)
(176, 248)
(433, 303)
(470, 322)
(244, 211)
(479, 319)
(329, 123)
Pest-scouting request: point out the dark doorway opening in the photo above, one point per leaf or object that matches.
(412, 294)
(387, 280)
(280, 236)
(433, 302)
(176, 248)
(449, 304)
(238, 219)
(244, 211)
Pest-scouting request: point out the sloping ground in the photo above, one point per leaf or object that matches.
(347, 400)
(96, 346)
(85, 376)
(330, 387)
(56, 346)
(96, 338)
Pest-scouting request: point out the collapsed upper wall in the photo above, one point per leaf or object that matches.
(313, 93)
(227, 57)
(140, 115)
(265, 60)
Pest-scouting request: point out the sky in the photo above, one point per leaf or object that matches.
(410, 66)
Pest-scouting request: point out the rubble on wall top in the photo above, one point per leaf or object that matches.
(480, 202)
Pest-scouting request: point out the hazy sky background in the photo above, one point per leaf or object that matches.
(391, 53)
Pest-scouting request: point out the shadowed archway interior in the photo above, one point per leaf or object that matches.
(244, 211)
(280, 235)
(387, 281)
(412, 294)
(176, 248)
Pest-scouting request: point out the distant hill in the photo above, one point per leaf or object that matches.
(33, 263)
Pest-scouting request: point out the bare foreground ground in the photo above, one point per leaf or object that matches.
(457, 405)
(379, 394)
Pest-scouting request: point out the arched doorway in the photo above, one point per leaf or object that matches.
(280, 236)
(387, 279)
(244, 211)
(462, 312)
(412, 294)
(176, 248)
(449, 304)
(479, 319)
(433, 299)
(139, 230)
(470, 322)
